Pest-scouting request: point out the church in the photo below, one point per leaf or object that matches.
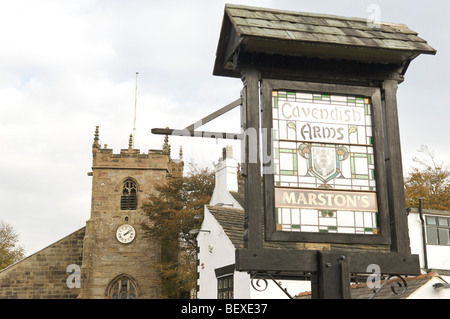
(109, 258)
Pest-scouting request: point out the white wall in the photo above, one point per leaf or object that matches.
(216, 251)
(415, 236)
(438, 256)
(429, 292)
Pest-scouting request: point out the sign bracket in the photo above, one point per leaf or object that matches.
(190, 130)
(329, 270)
(215, 114)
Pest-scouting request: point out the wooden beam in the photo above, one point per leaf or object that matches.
(389, 263)
(299, 261)
(276, 260)
(299, 68)
(394, 171)
(192, 133)
(253, 235)
(214, 115)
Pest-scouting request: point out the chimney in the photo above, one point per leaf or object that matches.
(226, 177)
(226, 171)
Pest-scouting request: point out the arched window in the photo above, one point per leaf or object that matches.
(128, 201)
(123, 288)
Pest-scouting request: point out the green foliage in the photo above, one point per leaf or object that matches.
(10, 252)
(431, 182)
(171, 214)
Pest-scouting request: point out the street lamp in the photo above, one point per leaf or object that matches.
(196, 231)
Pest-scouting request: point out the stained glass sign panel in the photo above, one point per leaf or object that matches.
(324, 170)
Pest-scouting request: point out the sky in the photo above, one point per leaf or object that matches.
(69, 66)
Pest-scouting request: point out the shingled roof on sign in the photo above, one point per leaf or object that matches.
(269, 31)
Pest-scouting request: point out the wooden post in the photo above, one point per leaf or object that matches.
(253, 237)
(394, 171)
(333, 278)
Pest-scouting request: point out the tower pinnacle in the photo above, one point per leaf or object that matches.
(130, 141)
(166, 145)
(96, 143)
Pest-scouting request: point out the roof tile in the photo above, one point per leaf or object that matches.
(260, 22)
(232, 222)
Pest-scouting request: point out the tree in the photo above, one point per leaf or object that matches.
(9, 251)
(171, 213)
(431, 182)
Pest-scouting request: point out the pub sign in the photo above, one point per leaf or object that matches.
(323, 174)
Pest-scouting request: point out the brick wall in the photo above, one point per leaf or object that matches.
(44, 274)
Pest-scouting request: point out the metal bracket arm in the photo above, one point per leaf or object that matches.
(190, 130)
(192, 133)
(214, 115)
(260, 276)
(394, 286)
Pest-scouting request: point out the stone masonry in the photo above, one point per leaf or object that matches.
(104, 257)
(44, 274)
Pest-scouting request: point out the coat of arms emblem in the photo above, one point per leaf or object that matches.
(324, 161)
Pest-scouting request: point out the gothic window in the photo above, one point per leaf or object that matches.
(128, 200)
(123, 288)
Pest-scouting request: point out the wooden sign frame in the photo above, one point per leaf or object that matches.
(271, 233)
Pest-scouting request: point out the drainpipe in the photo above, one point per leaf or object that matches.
(425, 258)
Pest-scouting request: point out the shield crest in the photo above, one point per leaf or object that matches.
(324, 163)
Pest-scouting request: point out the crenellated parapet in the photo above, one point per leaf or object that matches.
(130, 158)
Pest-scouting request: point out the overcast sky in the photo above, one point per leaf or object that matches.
(67, 66)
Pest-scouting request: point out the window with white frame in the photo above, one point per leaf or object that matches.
(438, 230)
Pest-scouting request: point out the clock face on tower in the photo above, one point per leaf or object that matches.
(125, 234)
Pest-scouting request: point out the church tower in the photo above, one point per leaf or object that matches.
(118, 259)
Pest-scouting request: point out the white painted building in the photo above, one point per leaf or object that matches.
(222, 233)
(431, 227)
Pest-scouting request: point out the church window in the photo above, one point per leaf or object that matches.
(123, 288)
(128, 199)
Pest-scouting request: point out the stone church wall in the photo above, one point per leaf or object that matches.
(44, 274)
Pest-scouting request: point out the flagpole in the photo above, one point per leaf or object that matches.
(135, 104)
